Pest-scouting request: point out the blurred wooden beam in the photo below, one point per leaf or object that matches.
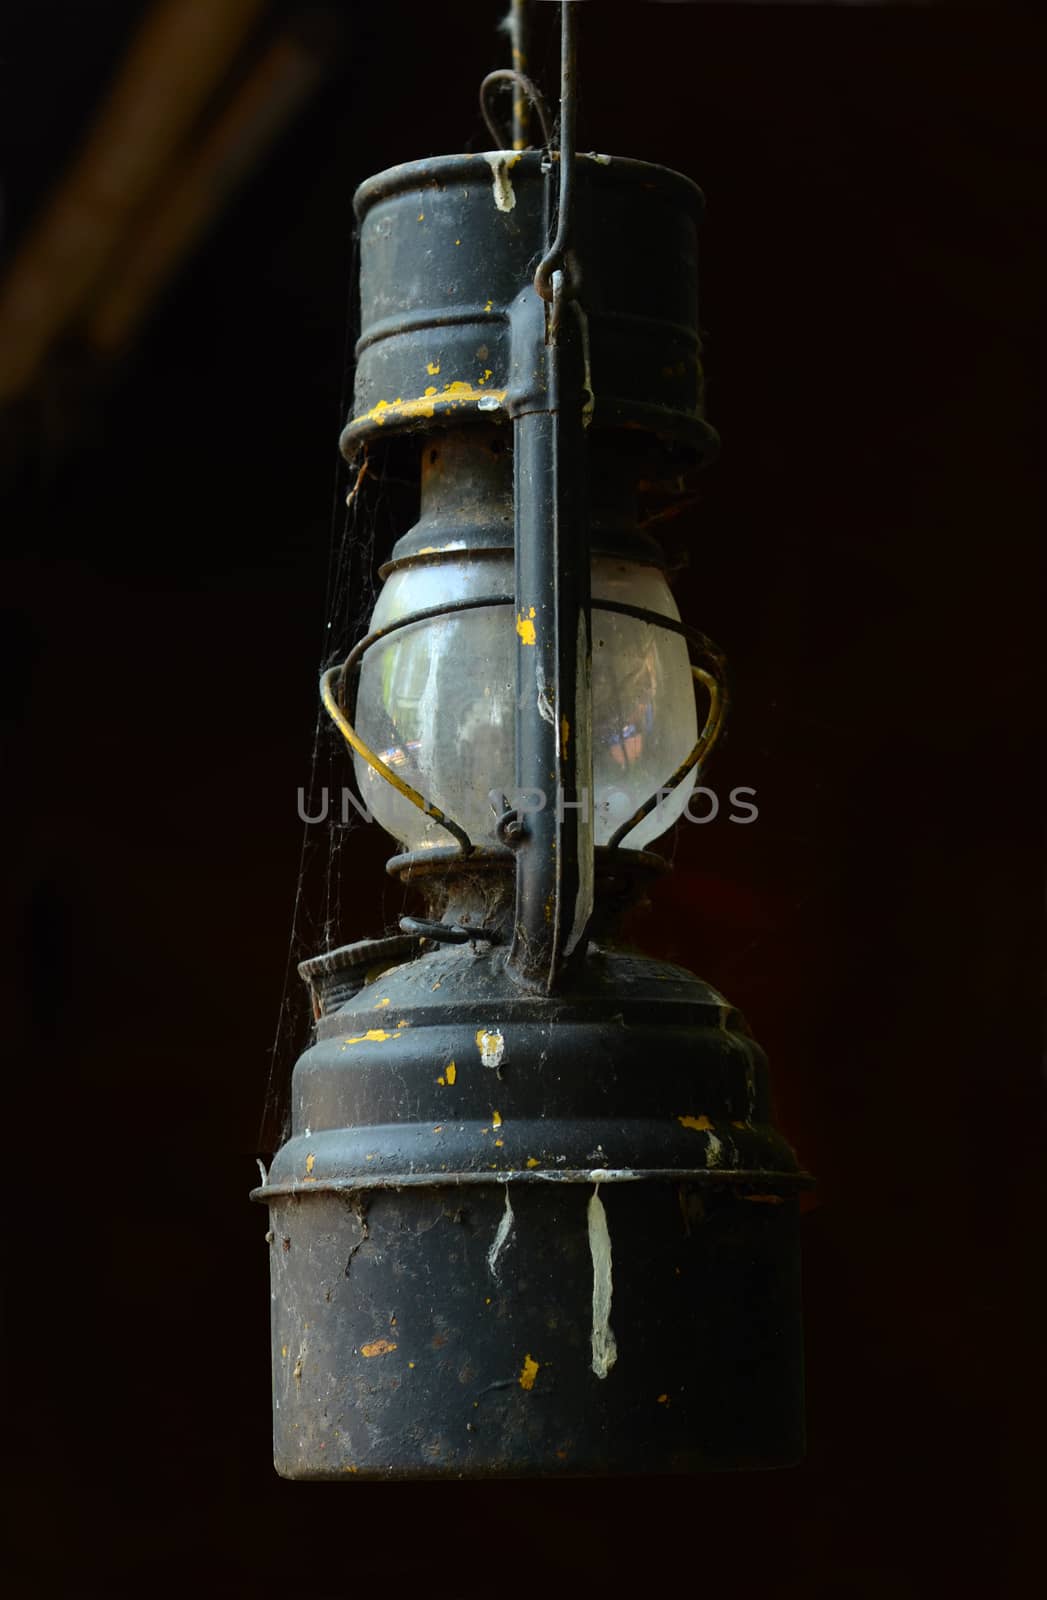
(179, 57)
(279, 83)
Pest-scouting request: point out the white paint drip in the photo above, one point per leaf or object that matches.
(605, 1350)
(713, 1149)
(492, 1047)
(500, 162)
(261, 1171)
(501, 1238)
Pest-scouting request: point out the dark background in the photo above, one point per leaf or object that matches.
(866, 551)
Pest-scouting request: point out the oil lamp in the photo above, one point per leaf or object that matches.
(532, 1217)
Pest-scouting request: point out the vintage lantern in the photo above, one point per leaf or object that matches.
(532, 1217)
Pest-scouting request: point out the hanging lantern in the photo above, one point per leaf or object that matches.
(533, 1217)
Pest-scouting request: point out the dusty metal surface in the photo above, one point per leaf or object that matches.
(447, 245)
(564, 1240)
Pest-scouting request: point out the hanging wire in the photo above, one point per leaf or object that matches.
(556, 257)
(519, 46)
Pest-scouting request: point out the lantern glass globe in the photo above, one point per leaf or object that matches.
(436, 700)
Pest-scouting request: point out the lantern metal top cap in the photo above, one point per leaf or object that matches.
(502, 165)
(448, 248)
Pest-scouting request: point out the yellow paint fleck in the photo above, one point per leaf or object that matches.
(432, 389)
(458, 241)
(350, 1469)
(455, 394)
(532, 1161)
(525, 627)
(283, 1351)
(529, 1372)
(500, 1143)
(432, 368)
(663, 1399)
(496, 1119)
(487, 374)
(442, 1082)
(489, 304)
(375, 1035)
(421, 216)
(439, 1128)
(452, 1072)
(380, 1003)
(700, 1124)
(310, 1162)
(410, 1363)
(487, 1302)
(380, 1347)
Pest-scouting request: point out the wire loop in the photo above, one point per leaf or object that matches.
(333, 706)
(714, 721)
(522, 81)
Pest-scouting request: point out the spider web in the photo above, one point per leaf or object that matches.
(361, 517)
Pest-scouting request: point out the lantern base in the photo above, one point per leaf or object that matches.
(563, 1243)
(465, 1333)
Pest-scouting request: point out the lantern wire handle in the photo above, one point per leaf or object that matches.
(334, 709)
(530, 91)
(717, 692)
